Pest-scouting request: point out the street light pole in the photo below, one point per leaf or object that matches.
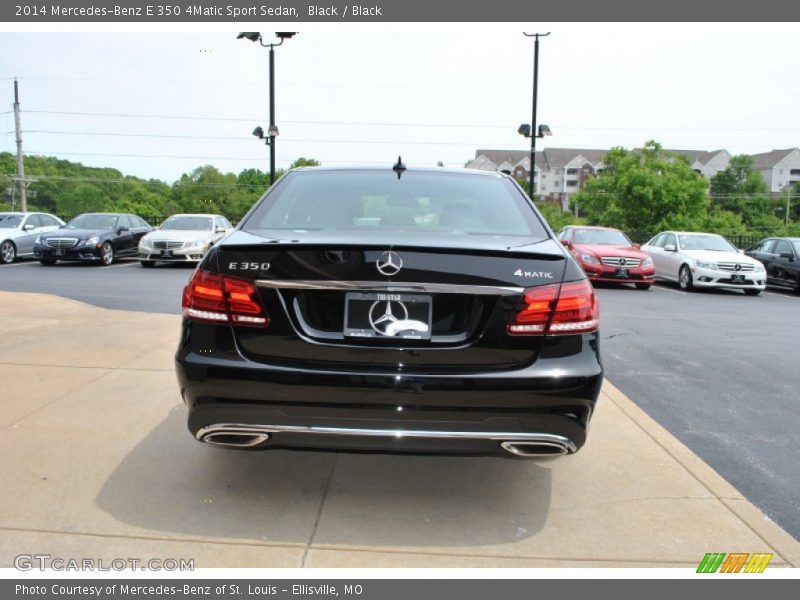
(272, 139)
(272, 130)
(535, 98)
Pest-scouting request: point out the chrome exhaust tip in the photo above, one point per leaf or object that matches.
(232, 437)
(543, 449)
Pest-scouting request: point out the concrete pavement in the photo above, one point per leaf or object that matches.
(96, 461)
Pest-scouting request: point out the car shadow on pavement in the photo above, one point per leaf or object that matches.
(170, 484)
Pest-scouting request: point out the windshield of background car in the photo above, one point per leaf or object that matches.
(601, 236)
(93, 222)
(705, 242)
(442, 203)
(187, 224)
(10, 221)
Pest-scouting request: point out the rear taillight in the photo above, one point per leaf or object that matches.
(212, 297)
(557, 309)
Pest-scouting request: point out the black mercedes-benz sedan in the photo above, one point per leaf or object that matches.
(391, 310)
(92, 237)
(781, 259)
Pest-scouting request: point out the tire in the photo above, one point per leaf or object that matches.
(685, 280)
(752, 292)
(643, 286)
(48, 262)
(107, 254)
(8, 252)
(147, 264)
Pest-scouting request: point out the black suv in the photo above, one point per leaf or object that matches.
(388, 309)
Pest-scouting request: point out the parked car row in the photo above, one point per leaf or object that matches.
(102, 238)
(690, 259)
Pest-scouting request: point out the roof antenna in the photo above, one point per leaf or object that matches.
(399, 167)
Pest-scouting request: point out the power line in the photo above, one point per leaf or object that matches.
(231, 158)
(249, 139)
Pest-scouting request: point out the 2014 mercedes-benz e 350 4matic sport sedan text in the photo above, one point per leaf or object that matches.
(392, 309)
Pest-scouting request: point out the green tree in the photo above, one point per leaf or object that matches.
(646, 190)
(741, 190)
(304, 162)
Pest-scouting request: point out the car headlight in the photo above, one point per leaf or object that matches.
(92, 241)
(759, 267)
(647, 262)
(590, 258)
(145, 241)
(38, 240)
(701, 264)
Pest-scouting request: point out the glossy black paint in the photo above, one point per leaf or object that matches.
(781, 259)
(470, 376)
(124, 239)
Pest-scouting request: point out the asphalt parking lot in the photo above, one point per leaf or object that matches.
(716, 369)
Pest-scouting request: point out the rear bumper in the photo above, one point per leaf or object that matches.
(548, 402)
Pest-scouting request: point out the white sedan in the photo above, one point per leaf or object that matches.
(697, 260)
(19, 230)
(183, 238)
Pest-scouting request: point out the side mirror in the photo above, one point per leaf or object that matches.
(670, 248)
(788, 255)
(28, 227)
(122, 230)
(565, 242)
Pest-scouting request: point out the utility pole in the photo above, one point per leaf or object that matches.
(788, 200)
(20, 178)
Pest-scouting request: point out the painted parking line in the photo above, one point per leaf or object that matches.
(782, 295)
(666, 289)
(121, 265)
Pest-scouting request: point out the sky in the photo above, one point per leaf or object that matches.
(159, 104)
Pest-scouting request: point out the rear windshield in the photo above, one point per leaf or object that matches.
(9, 221)
(446, 203)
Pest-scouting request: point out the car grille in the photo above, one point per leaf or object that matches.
(731, 266)
(61, 242)
(619, 261)
(167, 245)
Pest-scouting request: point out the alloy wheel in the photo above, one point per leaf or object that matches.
(8, 252)
(107, 253)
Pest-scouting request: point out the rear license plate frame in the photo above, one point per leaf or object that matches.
(366, 315)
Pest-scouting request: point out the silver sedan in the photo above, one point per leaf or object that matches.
(18, 231)
(183, 238)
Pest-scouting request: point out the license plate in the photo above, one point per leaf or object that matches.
(59, 252)
(387, 315)
(622, 272)
(737, 278)
(166, 253)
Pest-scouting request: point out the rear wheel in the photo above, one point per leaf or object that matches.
(642, 286)
(685, 280)
(752, 292)
(8, 252)
(107, 254)
(147, 264)
(47, 262)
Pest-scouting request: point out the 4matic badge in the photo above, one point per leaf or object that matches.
(531, 274)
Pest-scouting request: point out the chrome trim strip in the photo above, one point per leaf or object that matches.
(389, 286)
(549, 439)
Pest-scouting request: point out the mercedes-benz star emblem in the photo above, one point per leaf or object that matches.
(389, 263)
(738, 267)
(622, 262)
(384, 313)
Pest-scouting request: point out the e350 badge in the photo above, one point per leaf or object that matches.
(248, 266)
